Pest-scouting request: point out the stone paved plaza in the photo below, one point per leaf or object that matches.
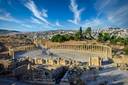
(73, 54)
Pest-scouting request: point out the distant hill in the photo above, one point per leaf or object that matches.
(58, 30)
(5, 32)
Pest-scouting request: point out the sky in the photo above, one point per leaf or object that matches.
(42, 15)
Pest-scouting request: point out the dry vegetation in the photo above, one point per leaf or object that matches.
(12, 41)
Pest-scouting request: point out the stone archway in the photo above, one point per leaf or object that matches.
(44, 61)
(67, 62)
(55, 62)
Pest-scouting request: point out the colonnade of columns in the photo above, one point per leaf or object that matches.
(24, 48)
(105, 51)
(21, 48)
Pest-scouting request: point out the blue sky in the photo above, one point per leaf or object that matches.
(41, 15)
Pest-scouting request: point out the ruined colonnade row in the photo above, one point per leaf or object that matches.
(101, 50)
(22, 48)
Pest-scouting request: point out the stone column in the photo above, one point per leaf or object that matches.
(95, 48)
(85, 47)
(90, 63)
(91, 48)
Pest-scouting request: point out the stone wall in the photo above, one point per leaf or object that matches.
(120, 60)
(5, 63)
(95, 61)
(55, 61)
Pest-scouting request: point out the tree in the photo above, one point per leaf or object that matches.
(103, 37)
(100, 37)
(89, 30)
(76, 36)
(60, 38)
(126, 41)
(113, 39)
(87, 33)
(68, 37)
(79, 34)
(120, 40)
(126, 50)
(106, 36)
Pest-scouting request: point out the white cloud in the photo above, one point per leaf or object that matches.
(113, 11)
(120, 15)
(34, 20)
(101, 5)
(40, 15)
(44, 13)
(4, 18)
(77, 12)
(26, 25)
(7, 17)
(38, 23)
(58, 24)
(92, 23)
(32, 23)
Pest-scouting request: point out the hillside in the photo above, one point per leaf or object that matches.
(4, 32)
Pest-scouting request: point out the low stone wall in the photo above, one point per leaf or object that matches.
(55, 62)
(6, 63)
(121, 60)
